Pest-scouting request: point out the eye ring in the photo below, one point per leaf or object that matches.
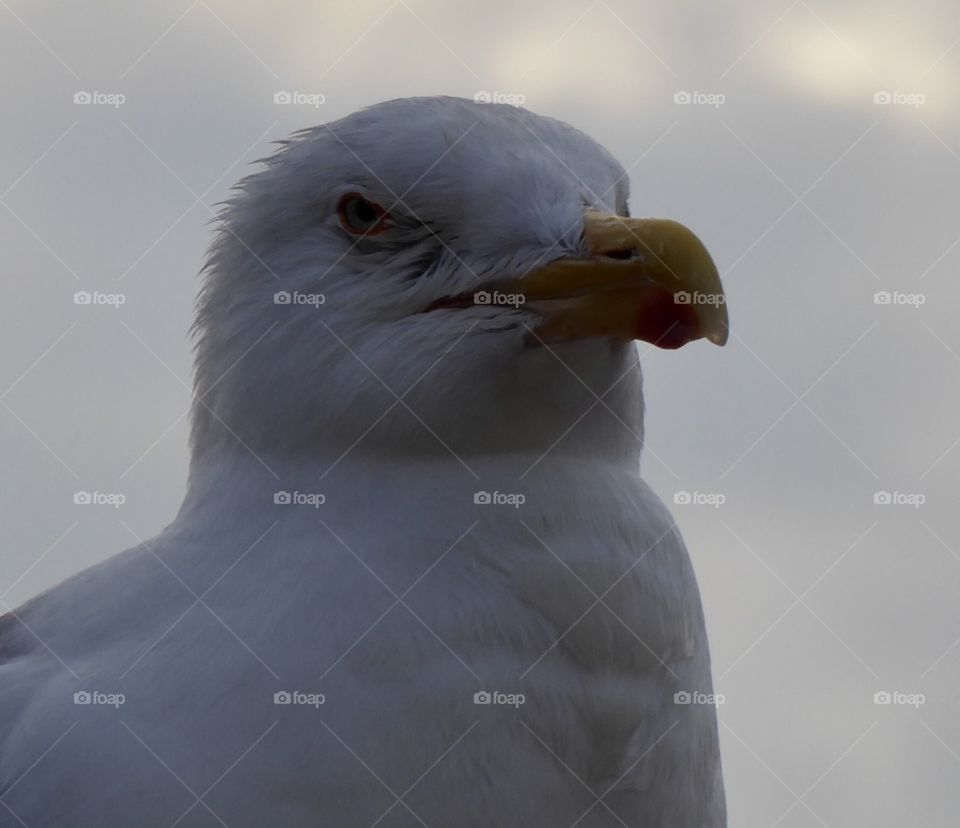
(360, 216)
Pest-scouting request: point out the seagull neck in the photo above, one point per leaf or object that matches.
(223, 482)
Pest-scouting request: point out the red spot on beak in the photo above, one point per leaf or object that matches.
(662, 321)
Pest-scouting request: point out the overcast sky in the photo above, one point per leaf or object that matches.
(814, 146)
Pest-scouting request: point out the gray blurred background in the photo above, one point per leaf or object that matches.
(814, 146)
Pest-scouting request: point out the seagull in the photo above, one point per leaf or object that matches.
(416, 579)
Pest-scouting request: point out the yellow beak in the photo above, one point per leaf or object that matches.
(648, 279)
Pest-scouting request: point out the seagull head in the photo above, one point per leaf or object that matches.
(440, 273)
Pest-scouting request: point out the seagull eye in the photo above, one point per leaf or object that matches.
(360, 216)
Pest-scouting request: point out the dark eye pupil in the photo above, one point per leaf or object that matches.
(364, 211)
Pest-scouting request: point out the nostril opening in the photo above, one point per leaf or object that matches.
(622, 253)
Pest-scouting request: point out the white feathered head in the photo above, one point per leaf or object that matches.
(434, 271)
